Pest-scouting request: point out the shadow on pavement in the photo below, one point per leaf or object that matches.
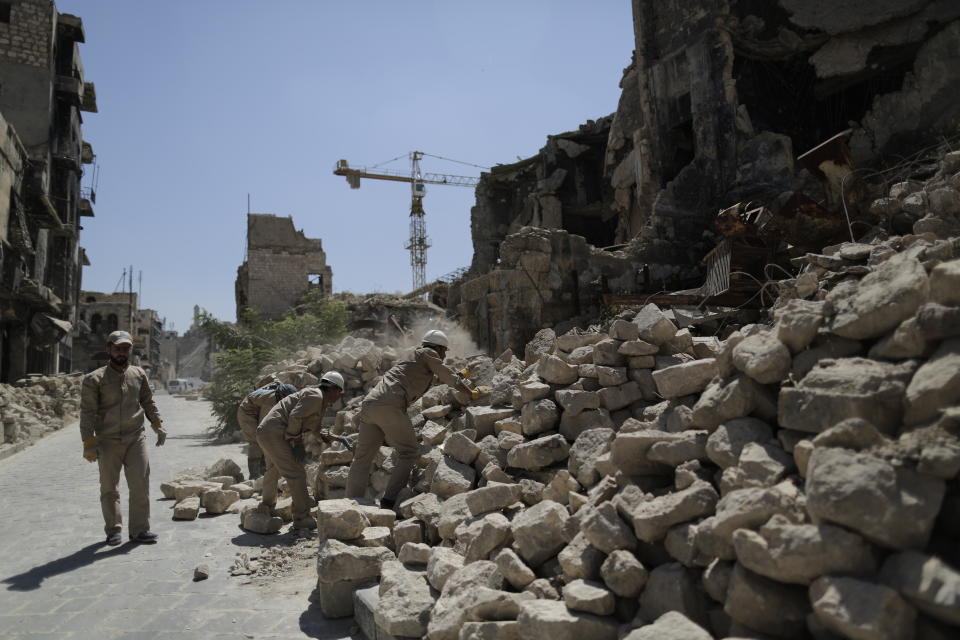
(247, 539)
(32, 579)
(314, 625)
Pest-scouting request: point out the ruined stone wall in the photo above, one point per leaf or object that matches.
(26, 37)
(282, 265)
(722, 96)
(546, 277)
(562, 187)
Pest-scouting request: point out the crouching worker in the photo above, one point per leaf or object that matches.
(278, 434)
(383, 416)
(251, 412)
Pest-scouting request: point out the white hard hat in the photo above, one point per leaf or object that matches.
(436, 337)
(332, 378)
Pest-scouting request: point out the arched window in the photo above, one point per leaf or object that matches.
(111, 323)
(95, 323)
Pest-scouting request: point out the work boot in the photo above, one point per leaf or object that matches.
(305, 523)
(387, 503)
(145, 537)
(255, 467)
(114, 539)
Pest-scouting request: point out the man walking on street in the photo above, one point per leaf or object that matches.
(113, 402)
(281, 430)
(251, 412)
(383, 416)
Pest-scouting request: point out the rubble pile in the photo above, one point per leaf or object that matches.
(35, 406)
(797, 479)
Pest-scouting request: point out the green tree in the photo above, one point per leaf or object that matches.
(244, 349)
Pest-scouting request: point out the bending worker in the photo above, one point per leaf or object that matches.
(251, 412)
(280, 431)
(113, 402)
(383, 416)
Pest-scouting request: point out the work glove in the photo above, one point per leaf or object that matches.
(160, 431)
(90, 449)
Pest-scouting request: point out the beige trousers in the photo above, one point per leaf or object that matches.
(379, 423)
(280, 462)
(130, 455)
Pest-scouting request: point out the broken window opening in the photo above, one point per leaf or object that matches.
(111, 323)
(599, 230)
(315, 280)
(682, 152)
(95, 323)
(786, 97)
(5, 12)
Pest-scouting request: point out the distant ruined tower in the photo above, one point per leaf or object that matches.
(281, 266)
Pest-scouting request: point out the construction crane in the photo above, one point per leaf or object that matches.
(419, 243)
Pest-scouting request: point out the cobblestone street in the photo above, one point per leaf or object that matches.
(59, 580)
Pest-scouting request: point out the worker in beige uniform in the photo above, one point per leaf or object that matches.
(113, 402)
(281, 430)
(252, 410)
(383, 416)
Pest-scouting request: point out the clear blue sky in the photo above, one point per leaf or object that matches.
(203, 102)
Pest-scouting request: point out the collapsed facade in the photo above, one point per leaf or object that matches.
(787, 107)
(41, 201)
(282, 265)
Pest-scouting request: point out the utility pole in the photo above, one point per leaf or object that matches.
(130, 302)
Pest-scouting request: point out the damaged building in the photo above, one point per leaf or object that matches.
(43, 93)
(282, 266)
(777, 112)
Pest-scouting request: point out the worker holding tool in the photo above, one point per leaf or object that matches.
(251, 412)
(383, 415)
(281, 431)
(113, 402)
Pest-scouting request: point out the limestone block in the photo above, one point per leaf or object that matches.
(554, 370)
(375, 537)
(945, 283)
(189, 488)
(528, 392)
(575, 402)
(537, 532)
(539, 416)
(337, 561)
(414, 553)
(861, 610)
(614, 398)
(481, 535)
(517, 573)
(187, 509)
(490, 630)
(763, 357)
(340, 519)
(637, 348)
(935, 385)
(572, 425)
(407, 531)
(604, 529)
(461, 448)
(452, 477)
(884, 298)
(539, 453)
(261, 523)
(589, 597)
(690, 445)
(624, 574)
(685, 379)
(450, 514)
(725, 444)
(743, 508)
(482, 418)
(442, 564)
(405, 601)
(609, 376)
(460, 593)
(926, 582)
(765, 605)
(492, 497)
(589, 445)
(550, 620)
(623, 330)
(654, 327)
(893, 507)
(218, 500)
(336, 598)
(651, 519)
(673, 587)
(801, 553)
(835, 390)
(672, 625)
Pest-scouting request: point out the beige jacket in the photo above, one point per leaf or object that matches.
(407, 380)
(298, 411)
(254, 409)
(113, 404)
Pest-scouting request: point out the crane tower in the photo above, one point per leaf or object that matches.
(418, 242)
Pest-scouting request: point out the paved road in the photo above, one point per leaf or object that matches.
(58, 579)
